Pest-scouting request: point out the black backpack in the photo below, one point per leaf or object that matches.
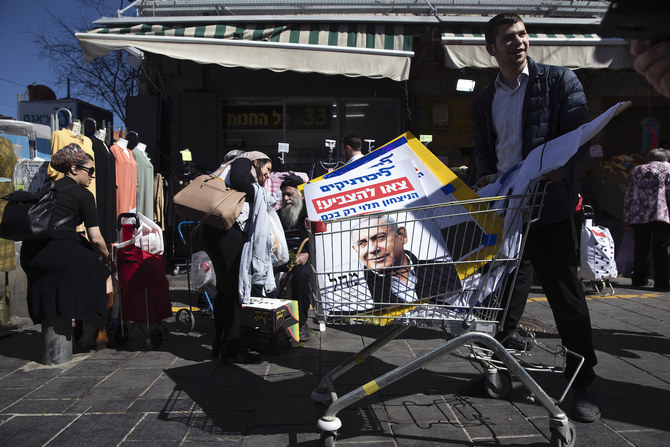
(29, 215)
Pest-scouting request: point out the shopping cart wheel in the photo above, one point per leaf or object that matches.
(558, 440)
(498, 384)
(328, 439)
(155, 339)
(184, 320)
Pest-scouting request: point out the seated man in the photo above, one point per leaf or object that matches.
(393, 274)
(292, 215)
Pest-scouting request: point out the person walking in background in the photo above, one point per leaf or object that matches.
(246, 173)
(527, 105)
(646, 211)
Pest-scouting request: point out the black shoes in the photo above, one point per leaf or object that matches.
(232, 351)
(585, 407)
(304, 332)
(518, 340)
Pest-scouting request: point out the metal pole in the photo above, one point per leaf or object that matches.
(56, 340)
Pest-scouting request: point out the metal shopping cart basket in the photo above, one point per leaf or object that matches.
(450, 265)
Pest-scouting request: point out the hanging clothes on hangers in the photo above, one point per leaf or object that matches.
(126, 177)
(160, 185)
(145, 181)
(324, 167)
(105, 174)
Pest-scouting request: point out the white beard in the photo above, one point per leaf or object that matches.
(289, 214)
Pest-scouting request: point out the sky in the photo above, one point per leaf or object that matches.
(21, 65)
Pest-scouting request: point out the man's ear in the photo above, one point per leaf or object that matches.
(491, 49)
(403, 233)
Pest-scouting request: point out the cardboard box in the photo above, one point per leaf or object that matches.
(269, 325)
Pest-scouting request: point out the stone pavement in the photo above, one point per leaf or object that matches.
(178, 396)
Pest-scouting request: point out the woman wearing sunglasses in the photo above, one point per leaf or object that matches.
(67, 274)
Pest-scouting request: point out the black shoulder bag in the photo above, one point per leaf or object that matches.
(29, 215)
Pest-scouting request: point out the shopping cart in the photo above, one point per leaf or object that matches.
(144, 288)
(185, 316)
(454, 271)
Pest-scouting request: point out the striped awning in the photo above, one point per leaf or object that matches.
(573, 50)
(375, 51)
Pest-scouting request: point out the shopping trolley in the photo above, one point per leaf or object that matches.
(144, 288)
(454, 271)
(185, 316)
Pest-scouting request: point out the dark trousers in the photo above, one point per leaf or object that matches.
(224, 248)
(552, 252)
(301, 276)
(654, 234)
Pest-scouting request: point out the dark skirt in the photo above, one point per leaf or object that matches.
(65, 280)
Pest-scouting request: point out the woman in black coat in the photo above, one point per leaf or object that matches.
(67, 273)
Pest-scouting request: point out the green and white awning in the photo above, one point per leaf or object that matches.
(574, 50)
(375, 51)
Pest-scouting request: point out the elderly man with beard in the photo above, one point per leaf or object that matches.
(292, 215)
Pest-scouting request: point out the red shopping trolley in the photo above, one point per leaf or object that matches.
(144, 288)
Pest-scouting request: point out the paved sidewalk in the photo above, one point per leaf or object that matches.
(178, 396)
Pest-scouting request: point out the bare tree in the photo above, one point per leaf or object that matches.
(108, 80)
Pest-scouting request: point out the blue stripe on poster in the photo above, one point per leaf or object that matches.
(377, 153)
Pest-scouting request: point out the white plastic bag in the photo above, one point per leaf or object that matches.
(202, 270)
(279, 246)
(597, 253)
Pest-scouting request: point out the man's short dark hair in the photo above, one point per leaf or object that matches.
(354, 141)
(505, 18)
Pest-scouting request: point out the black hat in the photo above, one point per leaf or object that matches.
(291, 180)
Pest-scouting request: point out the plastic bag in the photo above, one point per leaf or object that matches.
(202, 270)
(279, 246)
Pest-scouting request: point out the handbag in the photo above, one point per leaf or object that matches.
(29, 215)
(208, 199)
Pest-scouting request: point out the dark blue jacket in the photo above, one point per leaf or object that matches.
(554, 104)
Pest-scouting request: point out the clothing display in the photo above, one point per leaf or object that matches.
(159, 200)
(324, 167)
(7, 164)
(105, 174)
(145, 183)
(65, 277)
(126, 178)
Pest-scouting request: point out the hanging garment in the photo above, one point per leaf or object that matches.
(324, 167)
(105, 173)
(145, 183)
(7, 165)
(126, 180)
(159, 201)
(649, 134)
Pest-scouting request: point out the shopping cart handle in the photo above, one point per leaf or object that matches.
(181, 234)
(130, 216)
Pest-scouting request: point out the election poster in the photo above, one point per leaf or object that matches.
(391, 246)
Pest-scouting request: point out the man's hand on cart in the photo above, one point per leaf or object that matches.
(301, 259)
